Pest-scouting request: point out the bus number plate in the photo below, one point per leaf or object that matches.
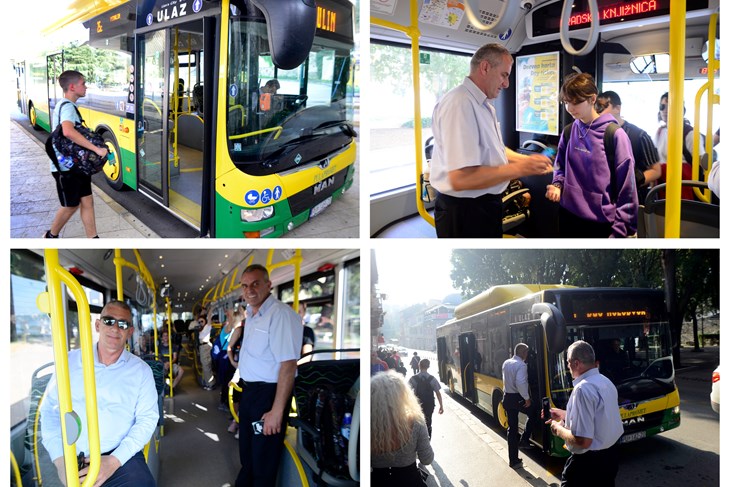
(633, 437)
(319, 207)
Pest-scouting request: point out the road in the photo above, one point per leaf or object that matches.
(471, 449)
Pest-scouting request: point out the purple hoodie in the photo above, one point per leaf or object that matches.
(586, 178)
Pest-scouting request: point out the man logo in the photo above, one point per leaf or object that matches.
(298, 159)
(322, 185)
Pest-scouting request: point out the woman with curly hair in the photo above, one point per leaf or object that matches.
(398, 432)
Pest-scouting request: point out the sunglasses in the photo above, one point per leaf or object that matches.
(662, 107)
(110, 321)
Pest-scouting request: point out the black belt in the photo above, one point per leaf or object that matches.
(456, 199)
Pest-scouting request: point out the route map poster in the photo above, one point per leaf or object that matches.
(538, 89)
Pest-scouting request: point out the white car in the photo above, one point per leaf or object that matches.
(715, 394)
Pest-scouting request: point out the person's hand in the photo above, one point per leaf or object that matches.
(272, 423)
(528, 402)
(536, 164)
(109, 465)
(101, 151)
(553, 193)
(441, 410)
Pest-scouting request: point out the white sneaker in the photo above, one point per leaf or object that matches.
(236, 435)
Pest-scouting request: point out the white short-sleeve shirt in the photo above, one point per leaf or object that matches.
(593, 411)
(270, 336)
(466, 133)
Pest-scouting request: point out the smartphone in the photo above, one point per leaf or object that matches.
(258, 427)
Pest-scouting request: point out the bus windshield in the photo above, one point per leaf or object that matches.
(636, 357)
(280, 120)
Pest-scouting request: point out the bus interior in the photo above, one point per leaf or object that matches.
(627, 52)
(194, 442)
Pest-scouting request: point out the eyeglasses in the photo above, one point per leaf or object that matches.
(110, 321)
(662, 107)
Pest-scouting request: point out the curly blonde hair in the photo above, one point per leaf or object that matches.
(394, 409)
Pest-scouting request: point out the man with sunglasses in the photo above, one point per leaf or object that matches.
(591, 423)
(127, 405)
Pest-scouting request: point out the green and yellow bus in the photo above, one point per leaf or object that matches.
(472, 347)
(235, 116)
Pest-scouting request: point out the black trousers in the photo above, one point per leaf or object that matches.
(260, 454)
(513, 407)
(397, 477)
(595, 468)
(468, 217)
(573, 226)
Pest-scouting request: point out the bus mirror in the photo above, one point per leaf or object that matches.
(291, 25)
(554, 324)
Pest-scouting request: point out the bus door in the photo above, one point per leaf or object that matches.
(171, 117)
(467, 352)
(442, 355)
(54, 66)
(531, 333)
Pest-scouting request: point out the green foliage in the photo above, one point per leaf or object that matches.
(97, 65)
(393, 64)
(425, 123)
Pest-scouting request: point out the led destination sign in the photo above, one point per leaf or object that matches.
(546, 19)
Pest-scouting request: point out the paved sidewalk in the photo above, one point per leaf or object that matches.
(34, 201)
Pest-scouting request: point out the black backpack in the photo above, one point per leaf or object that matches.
(424, 392)
(80, 159)
(609, 143)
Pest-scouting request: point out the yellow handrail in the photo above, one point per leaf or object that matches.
(294, 261)
(713, 65)
(414, 34)
(168, 312)
(258, 132)
(231, 386)
(36, 422)
(16, 470)
(141, 269)
(675, 116)
(52, 302)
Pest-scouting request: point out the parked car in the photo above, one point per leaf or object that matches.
(715, 394)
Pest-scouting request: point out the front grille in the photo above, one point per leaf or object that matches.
(306, 199)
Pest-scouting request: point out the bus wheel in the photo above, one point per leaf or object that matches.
(113, 173)
(500, 415)
(33, 117)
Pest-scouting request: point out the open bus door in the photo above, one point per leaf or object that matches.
(172, 119)
(531, 333)
(442, 356)
(467, 354)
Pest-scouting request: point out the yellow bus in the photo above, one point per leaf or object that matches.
(472, 347)
(235, 116)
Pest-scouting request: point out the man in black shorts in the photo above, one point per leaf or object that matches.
(74, 190)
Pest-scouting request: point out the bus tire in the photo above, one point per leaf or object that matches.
(113, 173)
(33, 116)
(500, 415)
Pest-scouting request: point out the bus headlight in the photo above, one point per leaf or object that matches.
(257, 214)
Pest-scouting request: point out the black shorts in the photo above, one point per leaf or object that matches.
(71, 187)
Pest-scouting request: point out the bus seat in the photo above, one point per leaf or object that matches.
(698, 219)
(158, 372)
(190, 131)
(314, 445)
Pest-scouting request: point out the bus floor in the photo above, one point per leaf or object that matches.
(196, 448)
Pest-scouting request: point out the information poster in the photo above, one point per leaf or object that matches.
(443, 13)
(538, 90)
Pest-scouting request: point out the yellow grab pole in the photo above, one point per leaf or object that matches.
(52, 302)
(414, 34)
(675, 117)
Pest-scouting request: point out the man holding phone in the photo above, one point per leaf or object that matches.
(272, 341)
(516, 400)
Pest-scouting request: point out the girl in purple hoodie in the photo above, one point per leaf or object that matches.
(592, 202)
